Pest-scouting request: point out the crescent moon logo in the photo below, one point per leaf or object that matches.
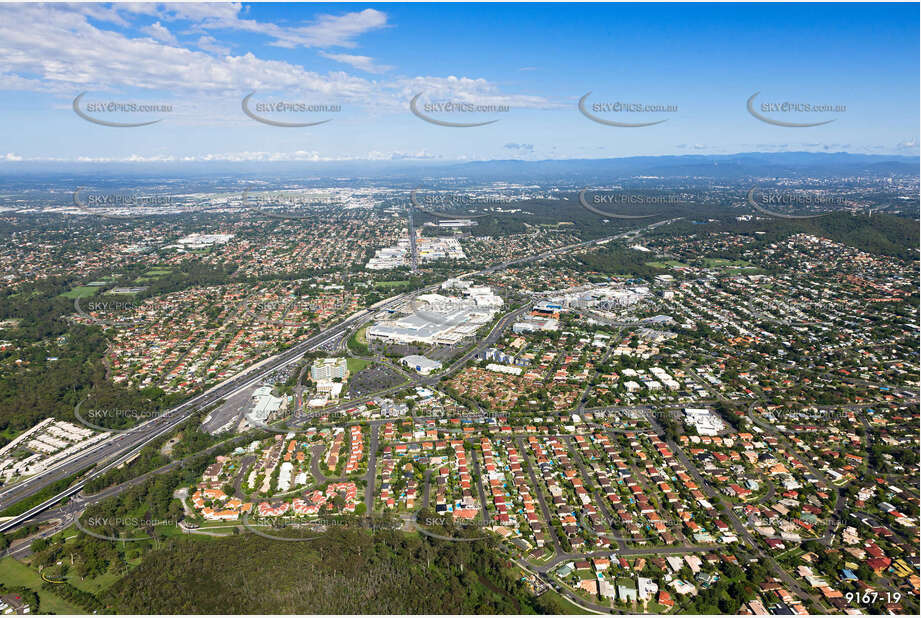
(750, 198)
(245, 521)
(94, 426)
(80, 527)
(444, 123)
(77, 202)
(415, 203)
(275, 123)
(106, 123)
(419, 528)
(84, 209)
(272, 215)
(780, 123)
(80, 310)
(612, 123)
(609, 215)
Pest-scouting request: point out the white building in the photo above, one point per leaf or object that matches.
(706, 422)
(265, 404)
(536, 324)
(515, 371)
(421, 364)
(332, 390)
(329, 368)
(441, 320)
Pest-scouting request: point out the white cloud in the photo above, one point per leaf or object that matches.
(67, 54)
(334, 30)
(362, 63)
(210, 44)
(50, 48)
(467, 90)
(235, 157)
(324, 31)
(99, 12)
(160, 33)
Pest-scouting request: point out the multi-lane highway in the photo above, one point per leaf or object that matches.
(117, 449)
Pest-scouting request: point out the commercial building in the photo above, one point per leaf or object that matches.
(427, 250)
(515, 371)
(706, 422)
(421, 364)
(535, 324)
(437, 319)
(329, 368)
(332, 390)
(265, 405)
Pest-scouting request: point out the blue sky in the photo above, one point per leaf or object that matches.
(703, 61)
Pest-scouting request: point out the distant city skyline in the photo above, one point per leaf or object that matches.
(719, 79)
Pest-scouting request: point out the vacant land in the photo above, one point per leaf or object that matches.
(14, 574)
(81, 291)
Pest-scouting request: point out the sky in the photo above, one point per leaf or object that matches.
(521, 68)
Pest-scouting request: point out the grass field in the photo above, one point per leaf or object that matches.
(81, 291)
(153, 274)
(357, 364)
(96, 585)
(655, 608)
(565, 604)
(568, 606)
(731, 264)
(15, 573)
(389, 284)
(668, 264)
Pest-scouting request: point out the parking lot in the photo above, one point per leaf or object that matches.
(371, 379)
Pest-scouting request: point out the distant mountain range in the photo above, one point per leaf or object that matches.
(734, 166)
(716, 167)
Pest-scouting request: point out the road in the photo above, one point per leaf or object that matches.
(537, 488)
(371, 475)
(741, 531)
(120, 448)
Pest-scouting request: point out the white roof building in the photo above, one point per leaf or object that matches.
(421, 364)
(265, 405)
